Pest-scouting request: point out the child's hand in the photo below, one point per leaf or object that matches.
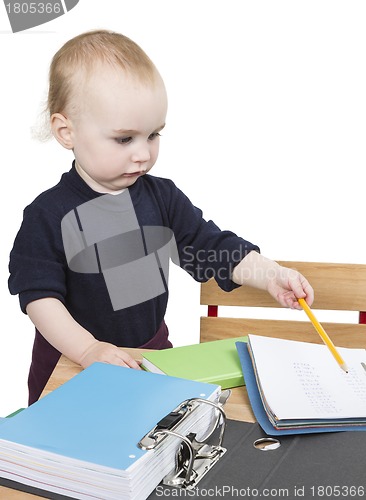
(107, 353)
(287, 285)
(284, 284)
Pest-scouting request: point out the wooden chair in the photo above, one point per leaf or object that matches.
(338, 287)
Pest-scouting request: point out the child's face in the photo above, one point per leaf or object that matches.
(115, 135)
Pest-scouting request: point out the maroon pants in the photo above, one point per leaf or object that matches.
(45, 358)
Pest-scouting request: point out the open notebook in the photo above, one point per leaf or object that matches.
(301, 387)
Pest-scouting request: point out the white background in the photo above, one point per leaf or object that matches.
(265, 132)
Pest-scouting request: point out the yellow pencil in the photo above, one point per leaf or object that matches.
(318, 327)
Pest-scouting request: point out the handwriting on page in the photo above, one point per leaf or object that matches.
(319, 397)
(356, 383)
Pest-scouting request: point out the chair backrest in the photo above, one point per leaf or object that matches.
(338, 287)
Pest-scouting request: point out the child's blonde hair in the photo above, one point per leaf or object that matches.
(83, 53)
(86, 50)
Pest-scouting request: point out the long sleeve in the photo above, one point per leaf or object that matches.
(205, 251)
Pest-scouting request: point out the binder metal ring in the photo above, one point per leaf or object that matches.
(201, 455)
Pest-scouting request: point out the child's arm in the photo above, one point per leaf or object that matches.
(59, 328)
(284, 284)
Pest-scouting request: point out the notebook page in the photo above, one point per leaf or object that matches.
(302, 380)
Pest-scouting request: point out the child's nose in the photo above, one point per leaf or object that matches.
(142, 153)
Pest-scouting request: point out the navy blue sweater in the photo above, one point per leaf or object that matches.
(38, 265)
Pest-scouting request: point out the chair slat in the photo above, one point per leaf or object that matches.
(342, 334)
(337, 287)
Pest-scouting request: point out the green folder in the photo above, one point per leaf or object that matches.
(215, 362)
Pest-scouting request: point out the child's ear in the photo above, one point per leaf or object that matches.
(61, 129)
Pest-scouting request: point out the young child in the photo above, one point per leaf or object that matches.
(90, 260)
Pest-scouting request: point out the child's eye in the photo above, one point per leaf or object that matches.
(123, 140)
(154, 136)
